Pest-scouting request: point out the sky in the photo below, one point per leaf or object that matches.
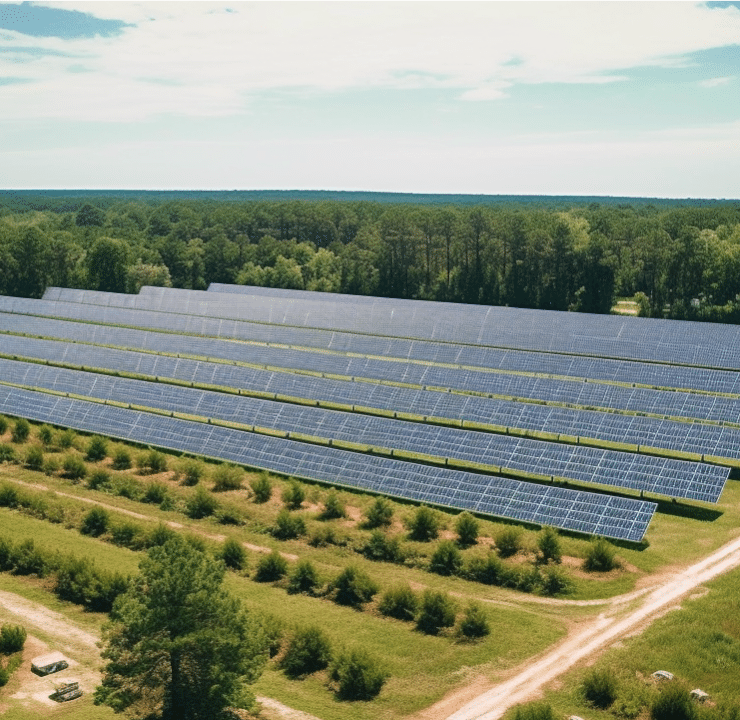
(636, 99)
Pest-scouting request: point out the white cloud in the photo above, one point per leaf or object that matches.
(715, 82)
(215, 59)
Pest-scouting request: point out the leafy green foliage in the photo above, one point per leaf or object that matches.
(353, 587)
(467, 528)
(178, 645)
(379, 514)
(308, 651)
(12, 638)
(45, 435)
(382, 548)
(35, 458)
(3, 425)
(600, 688)
(99, 479)
(97, 449)
(74, 467)
(21, 430)
(399, 602)
(288, 526)
(96, 522)
(67, 438)
(192, 472)
(262, 488)
(446, 559)
(333, 507)
(7, 453)
(474, 623)
(78, 580)
(548, 543)
(424, 524)
(271, 567)
(293, 495)
(233, 554)
(200, 504)
(487, 569)
(121, 459)
(358, 675)
(152, 462)
(600, 556)
(534, 711)
(227, 477)
(437, 612)
(304, 578)
(508, 541)
(155, 493)
(673, 703)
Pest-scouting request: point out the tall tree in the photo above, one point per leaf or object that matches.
(178, 646)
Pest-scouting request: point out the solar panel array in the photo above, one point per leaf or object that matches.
(583, 512)
(682, 342)
(711, 440)
(663, 476)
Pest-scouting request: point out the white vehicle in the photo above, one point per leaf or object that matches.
(48, 664)
(699, 695)
(662, 675)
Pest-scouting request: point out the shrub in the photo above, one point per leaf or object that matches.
(12, 638)
(51, 466)
(8, 495)
(554, 582)
(200, 504)
(424, 525)
(437, 612)
(45, 435)
(288, 526)
(121, 459)
(524, 579)
(271, 567)
(74, 467)
(487, 569)
(304, 579)
(67, 439)
(127, 534)
(273, 629)
(600, 556)
(399, 602)
(79, 581)
(534, 711)
(379, 514)
(358, 676)
(293, 495)
(155, 493)
(97, 449)
(160, 535)
(27, 559)
(151, 462)
(21, 431)
(466, 527)
(673, 703)
(600, 688)
(226, 514)
(333, 507)
(382, 548)
(353, 587)
(548, 543)
(7, 453)
(474, 623)
(233, 554)
(446, 559)
(35, 458)
(192, 472)
(127, 487)
(508, 541)
(328, 535)
(3, 425)
(262, 488)
(96, 522)
(227, 477)
(309, 650)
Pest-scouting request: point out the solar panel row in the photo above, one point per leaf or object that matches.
(590, 513)
(696, 481)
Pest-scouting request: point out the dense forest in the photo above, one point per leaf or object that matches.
(680, 259)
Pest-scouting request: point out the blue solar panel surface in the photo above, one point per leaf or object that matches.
(590, 513)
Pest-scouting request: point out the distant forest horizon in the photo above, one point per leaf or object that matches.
(679, 258)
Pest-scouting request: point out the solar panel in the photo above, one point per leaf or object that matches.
(674, 478)
(605, 515)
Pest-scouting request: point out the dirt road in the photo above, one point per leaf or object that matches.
(528, 683)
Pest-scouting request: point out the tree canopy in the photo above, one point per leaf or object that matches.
(178, 646)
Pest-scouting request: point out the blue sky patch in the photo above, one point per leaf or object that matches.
(38, 21)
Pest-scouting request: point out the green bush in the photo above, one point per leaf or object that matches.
(200, 504)
(600, 688)
(466, 527)
(99, 479)
(227, 477)
(487, 569)
(7, 453)
(74, 467)
(127, 534)
(155, 493)
(308, 651)
(271, 567)
(548, 543)
(51, 466)
(353, 587)
(474, 623)
(233, 554)
(3, 425)
(262, 488)
(437, 612)
(304, 578)
(446, 559)
(12, 638)
(127, 487)
(8, 495)
(46, 435)
(534, 711)
(293, 495)
(379, 514)
(288, 526)
(97, 449)
(192, 472)
(159, 535)
(121, 459)
(21, 431)
(273, 629)
(78, 580)
(67, 439)
(382, 548)
(508, 541)
(358, 675)
(673, 703)
(399, 602)
(35, 458)
(553, 581)
(96, 522)
(27, 559)
(333, 507)
(600, 556)
(424, 525)
(328, 535)
(151, 462)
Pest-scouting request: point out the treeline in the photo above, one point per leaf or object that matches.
(681, 261)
